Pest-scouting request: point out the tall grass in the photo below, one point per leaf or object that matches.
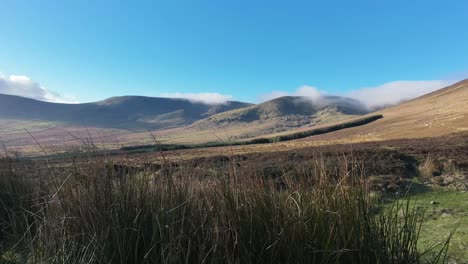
(86, 212)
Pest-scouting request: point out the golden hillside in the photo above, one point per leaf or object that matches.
(442, 112)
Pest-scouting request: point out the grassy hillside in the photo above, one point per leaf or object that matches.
(284, 113)
(260, 140)
(127, 112)
(125, 120)
(439, 113)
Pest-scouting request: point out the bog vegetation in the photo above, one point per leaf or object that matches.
(262, 140)
(91, 211)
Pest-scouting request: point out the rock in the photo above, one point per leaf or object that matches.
(446, 212)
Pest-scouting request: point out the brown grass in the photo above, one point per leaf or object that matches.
(88, 212)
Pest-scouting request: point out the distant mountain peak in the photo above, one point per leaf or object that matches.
(287, 112)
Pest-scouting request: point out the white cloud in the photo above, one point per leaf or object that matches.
(310, 92)
(206, 98)
(386, 94)
(395, 92)
(272, 95)
(23, 86)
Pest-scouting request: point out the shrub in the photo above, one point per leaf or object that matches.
(430, 168)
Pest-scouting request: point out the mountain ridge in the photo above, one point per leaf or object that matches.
(135, 112)
(438, 113)
(288, 112)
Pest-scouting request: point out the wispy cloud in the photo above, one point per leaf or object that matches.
(386, 94)
(306, 91)
(206, 98)
(23, 86)
(395, 92)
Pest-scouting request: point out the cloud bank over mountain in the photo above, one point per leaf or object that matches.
(306, 91)
(206, 98)
(386, 94)
(389, 93)
(395, 92)
(21, 85)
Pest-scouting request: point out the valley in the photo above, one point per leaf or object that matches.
(256, 132)
(415, 152)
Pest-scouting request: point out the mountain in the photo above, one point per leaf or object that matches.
(439, 113)
(285, 113)
(124, 120)
(126, 112)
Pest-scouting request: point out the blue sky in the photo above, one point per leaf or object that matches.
(243, 50)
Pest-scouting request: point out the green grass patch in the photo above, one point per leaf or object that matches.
(446, 211)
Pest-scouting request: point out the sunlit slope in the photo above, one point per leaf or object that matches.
(439, 113)
(282, 114)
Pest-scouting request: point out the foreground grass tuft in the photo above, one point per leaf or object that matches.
(89, 213)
